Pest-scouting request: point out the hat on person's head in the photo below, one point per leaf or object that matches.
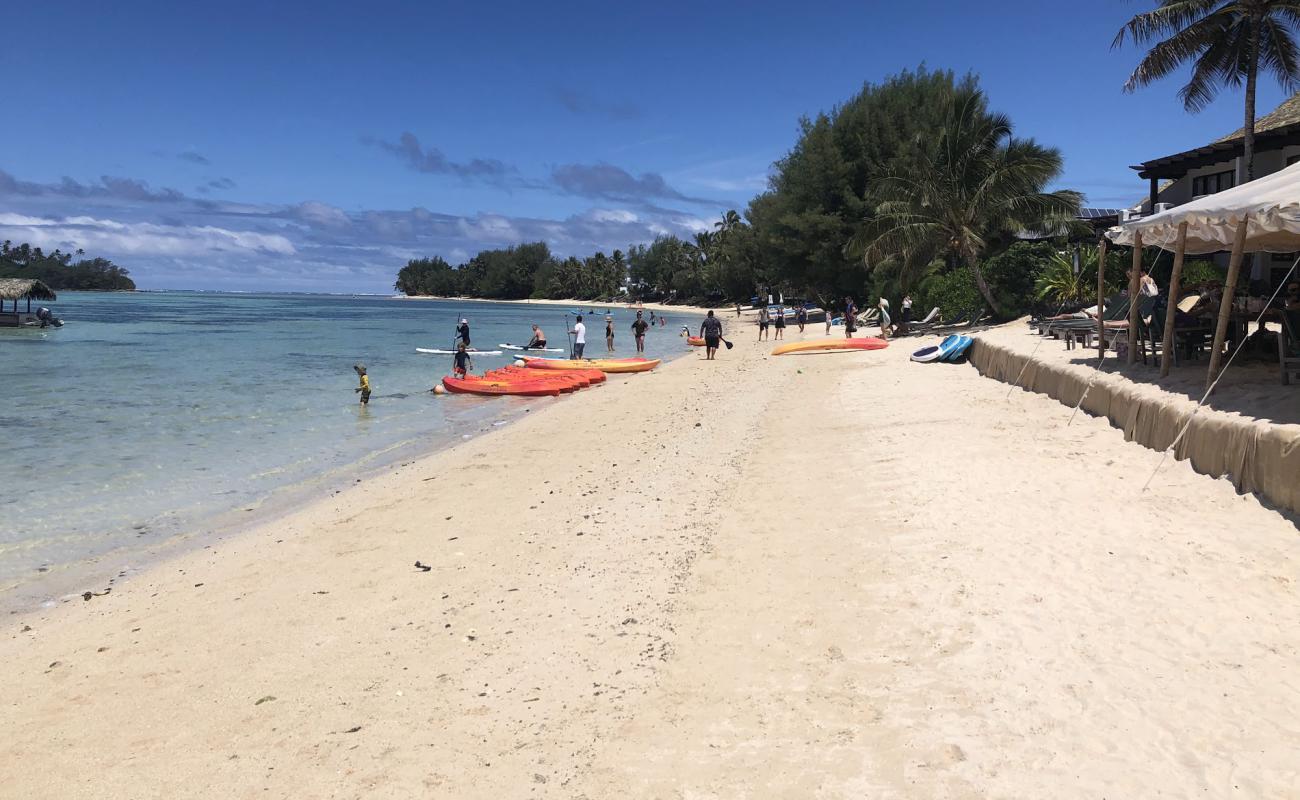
(360, 368)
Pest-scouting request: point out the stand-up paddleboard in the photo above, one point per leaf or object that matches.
(957, 348)
(509, 346)
(434, 352)
(927, 354)
(830, 346)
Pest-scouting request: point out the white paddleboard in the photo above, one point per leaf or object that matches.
(531, 349)
(433, 352)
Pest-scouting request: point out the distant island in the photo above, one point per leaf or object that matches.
(58, 270)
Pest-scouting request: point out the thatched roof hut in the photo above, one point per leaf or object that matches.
(29, 288)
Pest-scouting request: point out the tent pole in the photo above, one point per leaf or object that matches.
(1171, 307)
(1134, 307)
(1225, 307)
(1101, 299)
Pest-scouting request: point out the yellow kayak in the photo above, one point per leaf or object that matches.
(830, 346)
(602, 364)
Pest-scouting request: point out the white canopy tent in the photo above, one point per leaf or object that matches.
(1271, 205)
(1262, 215)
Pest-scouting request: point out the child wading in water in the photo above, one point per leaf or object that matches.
(364, 388)
(461, 363)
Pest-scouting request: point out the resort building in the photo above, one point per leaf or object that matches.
(1182, 177)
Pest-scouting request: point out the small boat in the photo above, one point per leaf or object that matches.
(602, 364)
(831, 346)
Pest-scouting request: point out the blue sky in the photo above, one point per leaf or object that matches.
(296, 146)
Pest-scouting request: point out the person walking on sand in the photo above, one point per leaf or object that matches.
(538, 342)
(609, 334)
(764, 319)
(364, 388)
(850, 318)
(780, 323)
(461, 363)
(829, 313)
(801, 317)
(907, 314)
(711, 332)
(638, 331)
(579, 338)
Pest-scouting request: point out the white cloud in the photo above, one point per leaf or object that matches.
(111, 237)
(611, 215)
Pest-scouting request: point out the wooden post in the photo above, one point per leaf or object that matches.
(1101, 299)
(1225, 309)
(1134, 292)
(1171, 308)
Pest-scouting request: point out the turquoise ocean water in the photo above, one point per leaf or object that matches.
(151, 415)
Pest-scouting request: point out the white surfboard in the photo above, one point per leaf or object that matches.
(434, 352)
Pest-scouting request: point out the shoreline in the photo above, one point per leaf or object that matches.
(613, 609)
(600, 307)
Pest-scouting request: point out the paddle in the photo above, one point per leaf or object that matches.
(568, 334)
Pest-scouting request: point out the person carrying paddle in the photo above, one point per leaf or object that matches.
(579, 338)
(711, 332)
(462, 332)
(461, 363)
(638, 330)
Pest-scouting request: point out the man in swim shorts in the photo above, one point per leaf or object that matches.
(638, 330)
(538, 342)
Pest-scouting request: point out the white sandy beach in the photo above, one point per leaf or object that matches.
(810, 576)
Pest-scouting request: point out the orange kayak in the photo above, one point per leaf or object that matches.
(591, 375)
(694, 341)
(830, 346)
(602, 364)
(489, 387)
(566, 381)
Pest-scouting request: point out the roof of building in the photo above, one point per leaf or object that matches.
(17, 288)
(1278, 128)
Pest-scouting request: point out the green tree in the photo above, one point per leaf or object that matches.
(972, 189)
(1226, 42)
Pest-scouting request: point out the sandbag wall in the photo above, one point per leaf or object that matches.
(1258, 456)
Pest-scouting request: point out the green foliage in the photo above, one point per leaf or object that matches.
(1199, 271)
(58, 271)
(428, 276)
(973, 187)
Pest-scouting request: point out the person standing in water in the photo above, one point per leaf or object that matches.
(462, 332)
(461, 363)
(638, 331)
(579, 338)
(364, 388)
(711, 332)
(538, 342)
(609, 333)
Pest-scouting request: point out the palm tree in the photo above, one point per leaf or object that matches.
(975, 185)
(1226, 42)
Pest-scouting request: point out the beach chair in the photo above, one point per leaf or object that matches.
(1288, 346)
(1114, 328)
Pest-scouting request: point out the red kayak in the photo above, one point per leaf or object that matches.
(569, 383)
(485, 386)
(590, 375)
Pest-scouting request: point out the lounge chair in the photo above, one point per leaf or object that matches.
(1288, 346)
(929, 319)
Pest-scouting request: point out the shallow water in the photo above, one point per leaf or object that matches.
(154, 414)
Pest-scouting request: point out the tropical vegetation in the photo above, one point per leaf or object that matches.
(911, 185)
(1225, 42)
(58, 270)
